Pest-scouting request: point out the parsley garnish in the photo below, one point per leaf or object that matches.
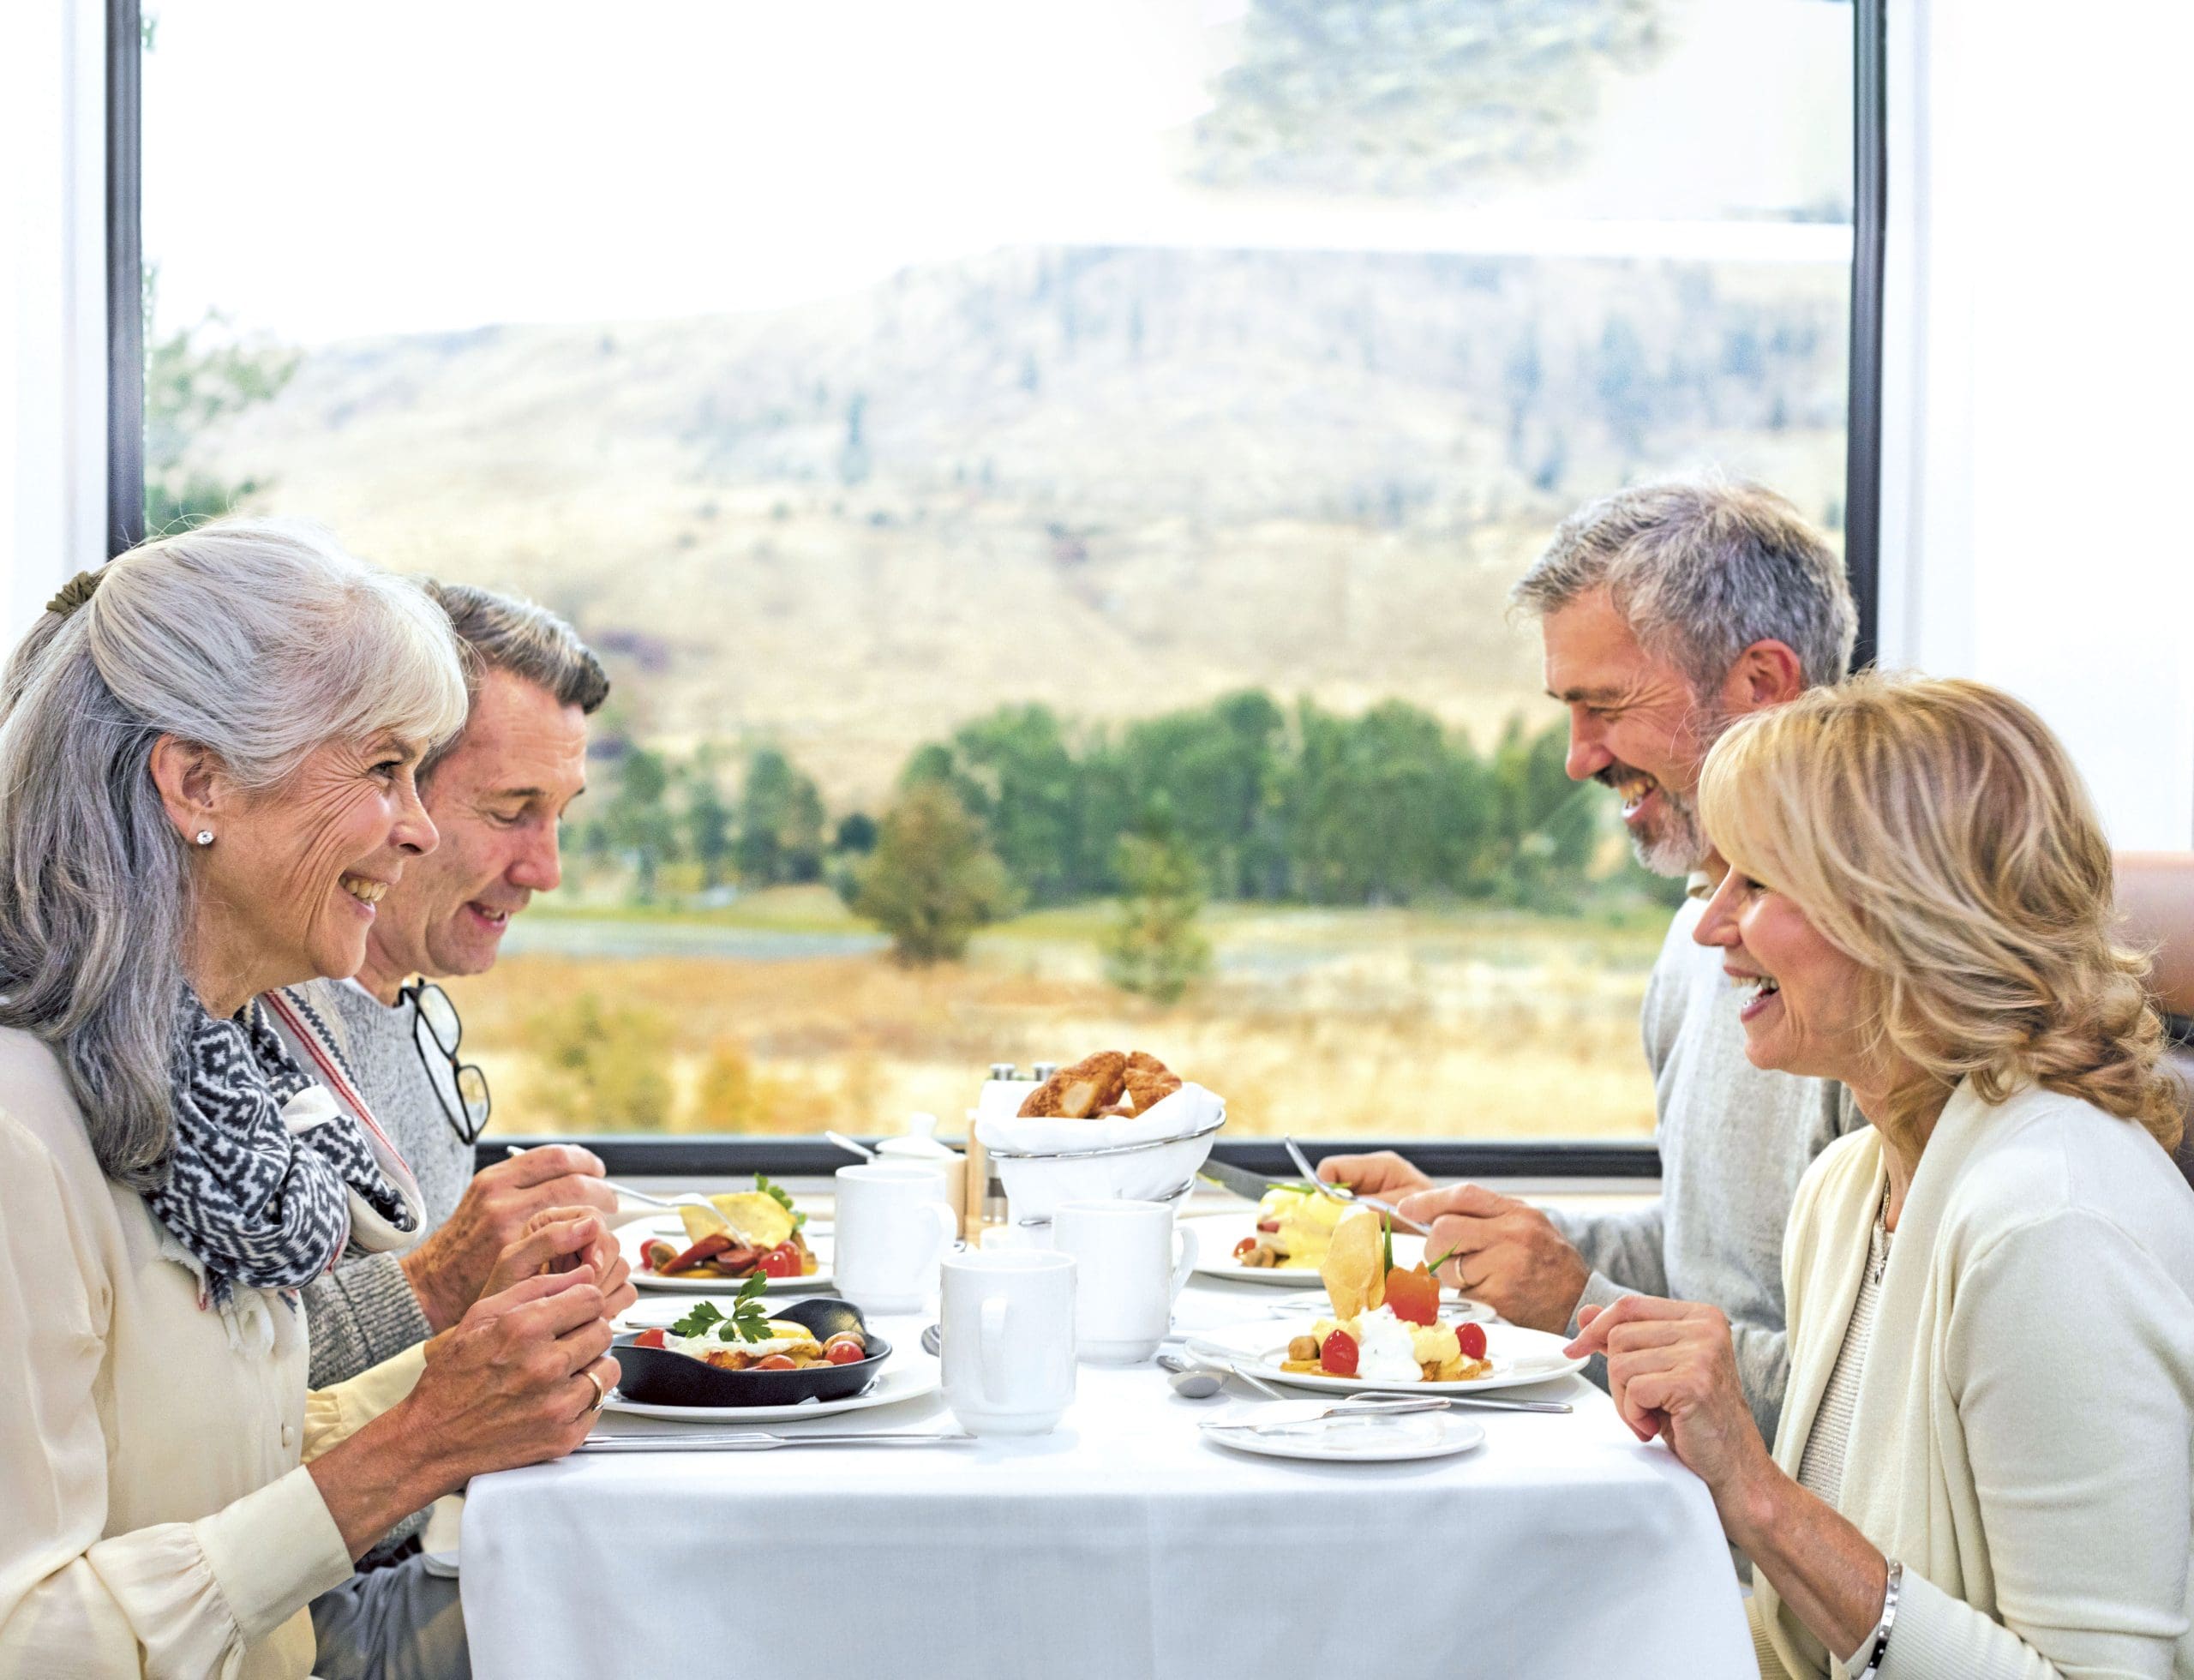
(749, 1320)
(763, 1183)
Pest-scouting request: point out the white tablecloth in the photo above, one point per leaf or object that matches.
(1125, 1545)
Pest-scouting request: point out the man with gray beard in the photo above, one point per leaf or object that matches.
(1667, 612)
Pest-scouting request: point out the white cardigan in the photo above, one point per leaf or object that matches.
(2023, 1438)
(154, 1516)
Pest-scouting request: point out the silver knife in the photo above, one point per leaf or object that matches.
(1237, 1180)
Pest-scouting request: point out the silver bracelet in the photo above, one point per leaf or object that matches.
(1875, 1644)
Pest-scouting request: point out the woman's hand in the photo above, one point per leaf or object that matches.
(562, 1240)
(1672, 1371)
(508, 1384)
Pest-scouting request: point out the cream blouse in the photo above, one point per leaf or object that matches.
(2022, 1434)
(158, 1519)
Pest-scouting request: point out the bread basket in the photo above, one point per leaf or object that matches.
(1044, 1160)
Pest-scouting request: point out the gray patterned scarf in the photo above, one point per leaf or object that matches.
(259, 1187)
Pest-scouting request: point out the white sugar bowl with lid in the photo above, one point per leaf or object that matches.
(919, 1146)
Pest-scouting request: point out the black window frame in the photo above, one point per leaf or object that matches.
(666, 1155)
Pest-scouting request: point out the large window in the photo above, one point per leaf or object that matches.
(1043, 475)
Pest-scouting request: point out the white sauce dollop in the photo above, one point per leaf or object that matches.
(1385, 1352)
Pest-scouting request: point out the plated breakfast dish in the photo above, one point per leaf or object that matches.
(1384, 1330)
(747, 1339)
(755, 1231)
(1233, 1246)
(817, 1349)
(1295, 1228)
(1386, 1326)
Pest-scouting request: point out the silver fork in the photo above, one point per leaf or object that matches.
(626, 1193)
(1337, 1193)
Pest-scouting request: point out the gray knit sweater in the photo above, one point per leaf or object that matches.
(1735, 1141)
(365, 1311)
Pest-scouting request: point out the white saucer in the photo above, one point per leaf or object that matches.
(1519, 1356)
(902, 1382)
(1359, 1440)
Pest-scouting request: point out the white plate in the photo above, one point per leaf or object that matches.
(1363, 1440)
(1218, 1233)
(1519, 1356)
(908, 1381)
(629, 1238)
(1313, 1305)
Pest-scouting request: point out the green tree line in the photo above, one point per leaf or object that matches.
(1265, 803)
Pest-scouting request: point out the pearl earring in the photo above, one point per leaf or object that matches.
(204, 836)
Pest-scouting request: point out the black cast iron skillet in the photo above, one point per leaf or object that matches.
(657, 1376)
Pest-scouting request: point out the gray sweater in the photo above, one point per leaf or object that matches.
(365, 1313)
(1735, 1141)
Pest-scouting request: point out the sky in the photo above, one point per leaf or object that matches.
(318, 171)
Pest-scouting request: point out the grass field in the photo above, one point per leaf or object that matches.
(1394, 1024)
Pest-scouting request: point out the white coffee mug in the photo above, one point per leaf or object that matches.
(892, 1227)
(1008, 1330)
(1127, 1276)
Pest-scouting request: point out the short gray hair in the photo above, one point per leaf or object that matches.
(501, 633)
(1701, 570)
(257, 641)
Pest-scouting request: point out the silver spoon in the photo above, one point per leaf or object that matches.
(849, 1146)
(1191, 1382)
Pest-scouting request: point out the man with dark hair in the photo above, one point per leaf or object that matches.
(496, 793)
(1669, 611)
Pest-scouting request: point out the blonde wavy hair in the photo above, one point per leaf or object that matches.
(1934, 832)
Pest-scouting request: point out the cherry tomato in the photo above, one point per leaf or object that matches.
(1339, 1354)
(1413, 1295)
(1247, 1246)
(647, 1339)
(775, 1362)
(1473, 1338)
(845, 1353)
(782, 1261)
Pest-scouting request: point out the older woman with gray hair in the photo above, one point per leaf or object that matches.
(206, 753)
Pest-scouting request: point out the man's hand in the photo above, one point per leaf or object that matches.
(1504, 1252)
(1385, 1174)
(450, 1268)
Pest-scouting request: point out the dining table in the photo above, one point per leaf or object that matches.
(1127, 1542)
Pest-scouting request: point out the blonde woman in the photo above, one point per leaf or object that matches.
(1983, 1463)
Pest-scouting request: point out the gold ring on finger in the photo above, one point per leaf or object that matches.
(599, 1395)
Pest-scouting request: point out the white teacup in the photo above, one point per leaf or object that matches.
(1008, 1329)
(1127, 1276)
(892, 1227)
